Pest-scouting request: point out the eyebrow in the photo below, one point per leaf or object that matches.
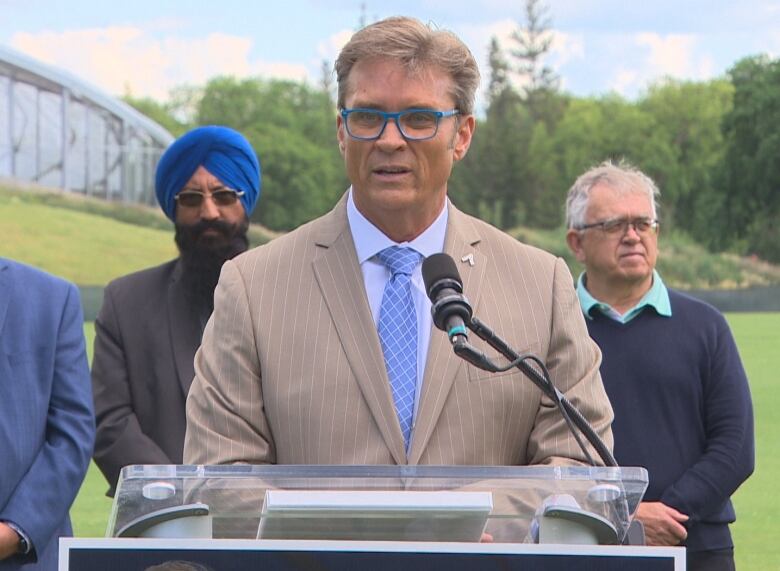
(212, 189)
(405, 108)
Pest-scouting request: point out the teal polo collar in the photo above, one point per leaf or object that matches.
(657, 297)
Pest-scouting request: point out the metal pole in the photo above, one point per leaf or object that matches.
(11, 124)
(86, 148)
(37, 176)
(65, 112)
(123, 161)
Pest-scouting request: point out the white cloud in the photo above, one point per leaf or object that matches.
(669, 55)
(567, 47)
(564, 48)
(118, 58)
(773, 42)
(624, 81)
(330, 48)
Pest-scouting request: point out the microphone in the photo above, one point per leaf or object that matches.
(450, 309)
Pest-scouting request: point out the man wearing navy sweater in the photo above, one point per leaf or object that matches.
(670, 367)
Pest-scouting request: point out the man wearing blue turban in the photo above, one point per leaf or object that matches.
(150, 323)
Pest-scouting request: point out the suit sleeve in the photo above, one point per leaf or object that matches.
(573, 360)
(120, 439)
(43, 497)
(226, 421)
(729, 454)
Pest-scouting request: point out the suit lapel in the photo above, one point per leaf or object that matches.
(184, 330)
(460, 242)
(5, 290)
(341, 283)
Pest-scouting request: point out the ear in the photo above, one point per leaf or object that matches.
(466, 127)
(574, 241)
(340, 133)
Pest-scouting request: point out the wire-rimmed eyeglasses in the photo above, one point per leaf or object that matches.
(220, 197)
(413, 124)
(619, 226)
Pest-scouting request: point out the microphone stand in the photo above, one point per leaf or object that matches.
(491, 338)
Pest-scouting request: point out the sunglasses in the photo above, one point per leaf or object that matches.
(221, 197)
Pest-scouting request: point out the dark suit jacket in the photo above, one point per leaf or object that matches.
(147, 333)
(46, 422)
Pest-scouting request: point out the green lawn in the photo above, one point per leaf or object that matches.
(84, 248)
(758, 337)
(91, 509)
(91, 241)
(757, 504)
(85, 240)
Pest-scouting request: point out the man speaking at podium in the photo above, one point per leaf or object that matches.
(320, 348)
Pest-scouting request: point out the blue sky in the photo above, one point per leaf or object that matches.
(147, 47)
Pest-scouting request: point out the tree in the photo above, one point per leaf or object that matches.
(499, 72)
(750, 180)
(161, 113)
(292, 128)
(539, 81)
(487, 183)
(688, 116)
(326, 80)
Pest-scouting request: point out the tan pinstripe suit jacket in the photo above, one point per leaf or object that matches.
(290, 370)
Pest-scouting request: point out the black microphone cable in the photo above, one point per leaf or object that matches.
(452, 313)
(551, 391)
(571, 414)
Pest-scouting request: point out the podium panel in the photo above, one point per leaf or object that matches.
(276, 555)
(573, 504)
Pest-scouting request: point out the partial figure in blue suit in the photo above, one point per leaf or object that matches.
(47, 426)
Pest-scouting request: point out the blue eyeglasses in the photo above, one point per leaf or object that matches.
(413, 124)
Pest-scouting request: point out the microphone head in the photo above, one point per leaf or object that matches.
(439, 270)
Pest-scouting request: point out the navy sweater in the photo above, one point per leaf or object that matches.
(682, 410)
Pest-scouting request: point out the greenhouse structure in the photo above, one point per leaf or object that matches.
(58, 131)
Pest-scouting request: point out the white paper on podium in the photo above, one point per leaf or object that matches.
(374, 515)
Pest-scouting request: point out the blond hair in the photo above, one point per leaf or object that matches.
(417, 47)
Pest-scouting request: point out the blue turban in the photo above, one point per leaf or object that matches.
(224, 152)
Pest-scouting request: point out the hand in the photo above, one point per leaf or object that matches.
(663, 524)
(9, 541)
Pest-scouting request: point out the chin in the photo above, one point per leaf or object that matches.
(637, 276)
(212, 240)
(394, 198)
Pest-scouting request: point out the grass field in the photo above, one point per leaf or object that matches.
(757, 503)
(84, 248)
(85, 240)
(92, 242)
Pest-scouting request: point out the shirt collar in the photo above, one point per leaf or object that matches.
(370, 240)
(656, 297)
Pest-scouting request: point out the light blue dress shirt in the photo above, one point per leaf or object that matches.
(369, 241)
(656, 297)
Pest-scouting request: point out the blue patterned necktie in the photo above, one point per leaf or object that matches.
(398, 332)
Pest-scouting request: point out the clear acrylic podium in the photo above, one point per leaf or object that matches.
(385, 503)
(381, 518)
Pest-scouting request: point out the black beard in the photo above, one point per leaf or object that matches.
(202, 255)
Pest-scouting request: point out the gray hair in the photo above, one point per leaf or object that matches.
(417, 47)
(622, 177)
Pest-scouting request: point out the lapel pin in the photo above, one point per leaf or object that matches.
(469, 258)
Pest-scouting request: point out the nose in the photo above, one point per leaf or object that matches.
(631, 234)
(209, 209)
(391, 137)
